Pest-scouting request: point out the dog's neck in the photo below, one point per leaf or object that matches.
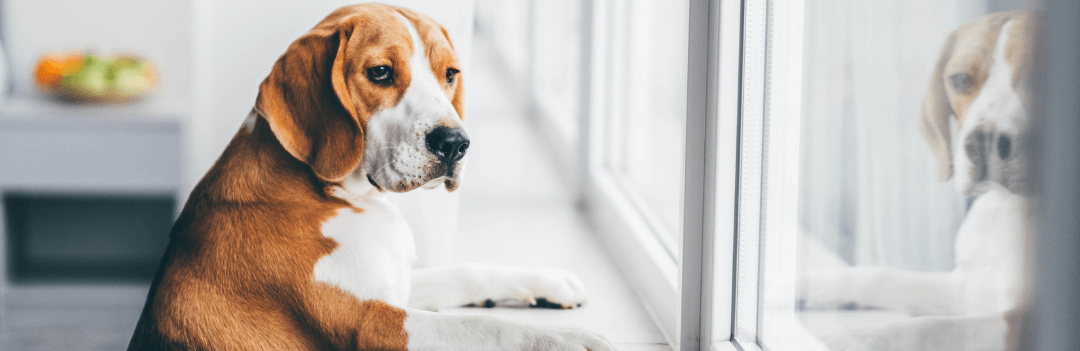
(355, 188)
(255, 168)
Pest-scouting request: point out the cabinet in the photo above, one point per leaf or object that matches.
(88, 194)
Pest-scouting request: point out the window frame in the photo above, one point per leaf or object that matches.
(730, 45)
(718, 274)
(624, 225)
(738, 48)
(710, 293)
(622, 22)
(759, 69)
(628, 232)
(683, 304)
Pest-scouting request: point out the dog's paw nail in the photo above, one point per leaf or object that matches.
(544, 303)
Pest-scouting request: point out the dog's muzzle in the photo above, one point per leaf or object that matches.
(996, 157)
(422, 160)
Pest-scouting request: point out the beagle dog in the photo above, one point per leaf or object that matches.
(975, 119)
(286, 243)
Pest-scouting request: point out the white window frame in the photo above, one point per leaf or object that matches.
(627, 231)
(758, 68)
(700, 300)
(623, 226)
(737, 47)
(670, 293)
(718, 250)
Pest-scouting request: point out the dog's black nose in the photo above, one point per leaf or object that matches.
(449, 144)
(1004, 146)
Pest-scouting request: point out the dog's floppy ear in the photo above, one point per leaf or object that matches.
(306, 102)
(936, 110)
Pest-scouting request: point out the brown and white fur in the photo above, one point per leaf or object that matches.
(286, 244)
(978, 86)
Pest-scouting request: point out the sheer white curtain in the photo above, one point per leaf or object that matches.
(869, 188)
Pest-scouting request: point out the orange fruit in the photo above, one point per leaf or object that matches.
(51, 68)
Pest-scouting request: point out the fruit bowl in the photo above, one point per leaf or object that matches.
(78, 77)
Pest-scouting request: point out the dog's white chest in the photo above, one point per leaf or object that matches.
(375, 252)
(989, 250)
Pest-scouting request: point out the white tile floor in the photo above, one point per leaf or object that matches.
(514, 211)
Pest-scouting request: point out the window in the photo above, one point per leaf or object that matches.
(606, 87)
(834, 174)
(647, 105)
(736, 149)
(636, 143)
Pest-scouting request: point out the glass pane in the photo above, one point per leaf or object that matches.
(895, 174)
(751, 111)
(648, 107)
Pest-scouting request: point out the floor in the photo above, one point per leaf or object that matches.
(514, 211)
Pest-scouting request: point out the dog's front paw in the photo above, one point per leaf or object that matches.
(925, 333)
(541, 288)
(555, 288)
(478, 284)
(569, 338)
(829, 289)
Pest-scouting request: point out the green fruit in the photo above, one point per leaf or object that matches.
(129, 76)
(131, 81)
(92, 79)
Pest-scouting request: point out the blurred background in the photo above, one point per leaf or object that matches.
(576, 110)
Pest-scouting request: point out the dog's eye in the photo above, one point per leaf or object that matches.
(962, 82)
(450, 75)
(380, 74)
